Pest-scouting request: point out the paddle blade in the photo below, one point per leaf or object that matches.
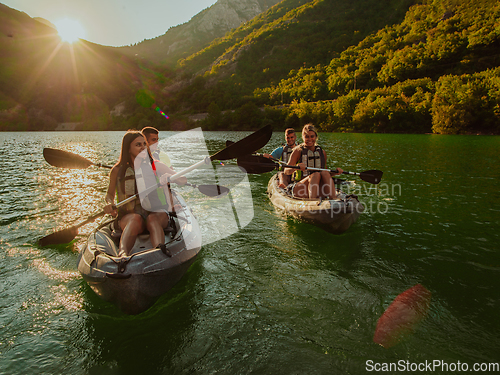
(372, 176)
(246, 145)
(213, 190)
(254, 164)
(64, 236)
(67, 235)
(401, 317)
(65, 159)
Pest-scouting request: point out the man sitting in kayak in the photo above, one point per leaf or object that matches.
(133, 218)
(152, 135)
(311, 184)
(283, 153)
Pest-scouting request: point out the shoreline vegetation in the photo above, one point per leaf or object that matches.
(250, 117)
(242, 130)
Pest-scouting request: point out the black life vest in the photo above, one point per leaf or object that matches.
(161, 156)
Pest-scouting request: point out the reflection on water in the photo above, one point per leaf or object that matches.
(278, 296)
(53, 273)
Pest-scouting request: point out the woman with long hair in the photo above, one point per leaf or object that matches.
(311, 184)
(133, 219)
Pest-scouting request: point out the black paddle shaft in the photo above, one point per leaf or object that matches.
(247, 145)
(257, 164)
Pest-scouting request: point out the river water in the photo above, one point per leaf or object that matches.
(277, 297)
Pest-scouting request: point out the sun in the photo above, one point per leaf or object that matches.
(69, 30)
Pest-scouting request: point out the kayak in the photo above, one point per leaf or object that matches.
(335, 215)
(135, 282)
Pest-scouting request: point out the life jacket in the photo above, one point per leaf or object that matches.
(312, 159)
(131, 181)
(287, 152)
(285, 156)
(126, 187)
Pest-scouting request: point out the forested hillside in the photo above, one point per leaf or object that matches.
(291, 35)
(404, 66)
(436, 69)
(188, 38)
(44, 82)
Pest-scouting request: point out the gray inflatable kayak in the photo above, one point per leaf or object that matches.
(135, 282)
(335, 216)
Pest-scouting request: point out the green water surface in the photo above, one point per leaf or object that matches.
(279, 296)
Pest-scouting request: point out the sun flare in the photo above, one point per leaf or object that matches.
(69, 30)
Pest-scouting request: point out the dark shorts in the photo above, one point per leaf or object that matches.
(137, 210)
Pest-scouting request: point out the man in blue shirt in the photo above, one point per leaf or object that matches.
(283, 153)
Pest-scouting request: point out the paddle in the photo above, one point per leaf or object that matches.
(256, 164)
(244, 146)
(68, 234)
(66, 159)
(259, 164)
(210, 190)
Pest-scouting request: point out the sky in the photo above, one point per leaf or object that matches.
(115, 22)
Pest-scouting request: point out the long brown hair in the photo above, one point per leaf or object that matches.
(127, 140)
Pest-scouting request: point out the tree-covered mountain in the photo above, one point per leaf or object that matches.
(211, 23)
(291, 35)
(437, 70)
(419, 66)
(44, 82)
(364, 65)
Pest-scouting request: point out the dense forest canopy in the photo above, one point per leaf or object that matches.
(405, 66)
(435, 71)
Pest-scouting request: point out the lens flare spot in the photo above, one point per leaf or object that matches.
(161, 112)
